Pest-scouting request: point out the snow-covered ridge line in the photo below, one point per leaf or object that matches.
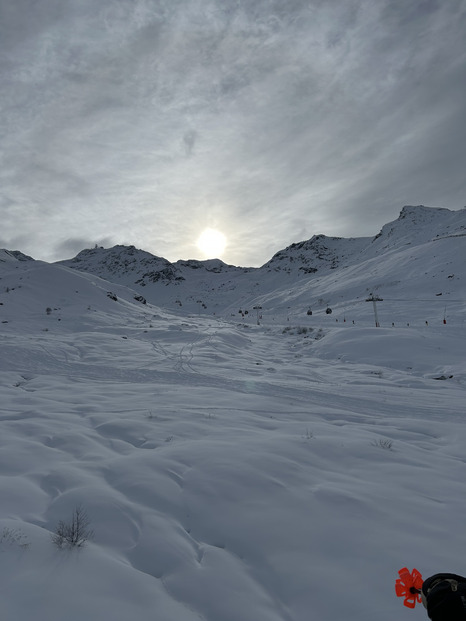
(305, 267)
(301, 276)
(13, 255)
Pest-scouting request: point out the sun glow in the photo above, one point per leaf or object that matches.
(211, 243)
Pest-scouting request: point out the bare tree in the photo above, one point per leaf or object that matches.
(75, 533)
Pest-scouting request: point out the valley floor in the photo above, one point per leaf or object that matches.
(228, 473)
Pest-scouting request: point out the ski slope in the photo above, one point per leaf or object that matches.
(230, 471)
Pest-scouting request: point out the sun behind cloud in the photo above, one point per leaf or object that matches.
(211, 243)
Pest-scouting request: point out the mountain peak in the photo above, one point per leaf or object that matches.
(419, 224)
(318, 253)
(126, 263)
(421, 212)
(13, 255)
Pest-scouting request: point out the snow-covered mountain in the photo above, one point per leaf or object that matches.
(315, 273)
(418, 260)
(228, 470)
(418, 225)
(13, 255)
(414, 226)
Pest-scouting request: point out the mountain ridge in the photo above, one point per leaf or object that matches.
(413, 225)
(423, 244)
(308, 266)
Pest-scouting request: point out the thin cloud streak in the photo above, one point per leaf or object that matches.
(145, 122)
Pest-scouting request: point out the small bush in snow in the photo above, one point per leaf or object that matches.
(75, 533)
(383, 443)
(13, 536)
(296, 330)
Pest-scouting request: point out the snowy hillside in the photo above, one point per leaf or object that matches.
(423, 250)
(320, 253)
(417, 225)
(13, 255)
(229, 470)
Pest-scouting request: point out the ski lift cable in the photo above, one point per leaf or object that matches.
(404, 300)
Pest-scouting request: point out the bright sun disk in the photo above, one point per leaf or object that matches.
(212, 243)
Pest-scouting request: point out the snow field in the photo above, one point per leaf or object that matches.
(228, 472)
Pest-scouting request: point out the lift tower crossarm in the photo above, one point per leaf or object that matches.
(375, 298)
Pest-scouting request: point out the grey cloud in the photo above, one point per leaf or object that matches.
(145, 122)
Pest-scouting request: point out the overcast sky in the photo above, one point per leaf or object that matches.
(145, 121)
